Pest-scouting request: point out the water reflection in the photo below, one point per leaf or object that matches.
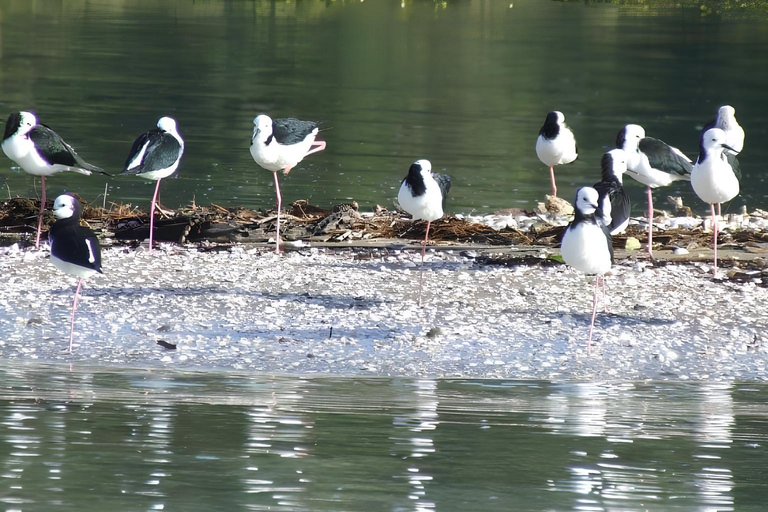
(118, 440)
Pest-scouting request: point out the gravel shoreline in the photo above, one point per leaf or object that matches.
(353, 312)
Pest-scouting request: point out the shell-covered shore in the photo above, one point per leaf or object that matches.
(353, 311)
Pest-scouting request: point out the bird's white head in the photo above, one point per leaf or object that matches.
(560, 116)
(262, 128)
(27, 121)
(586, 200)
(630, 136)
(726, 112)
(618, 161)
(167, 124)
(714, 140)
(424, 165)
(66, 206)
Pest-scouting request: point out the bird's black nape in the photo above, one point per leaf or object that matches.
(621, 138)
(12, 125)
(550, 128)
(415, 181)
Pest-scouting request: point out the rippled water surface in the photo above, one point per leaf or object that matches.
(100, 439)
(466, 84)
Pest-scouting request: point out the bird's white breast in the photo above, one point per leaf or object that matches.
(428, 206)
(71, 268)
(714, 181)
(585, 248)
(558, 151)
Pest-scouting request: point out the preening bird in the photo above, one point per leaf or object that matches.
(155, 155)
(279, 145)
(75, 249)
(40, 151)
(652, 162)
(613, 201)
(556, 144)
(422, 194)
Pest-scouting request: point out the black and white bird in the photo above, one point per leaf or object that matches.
(715, 178)
(586, 244)
(422, 194)
(726, 121)
(556, 144)
(155, 155)
(40, 151)
(613, 201)
(652, 162)
(75, 249)
(279, 145)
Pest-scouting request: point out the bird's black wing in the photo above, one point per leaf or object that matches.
(54, 150)
(290, 130)
(663, 157)
(615, 214)
(444, 182)
(731, 157)
(162, 150)
(71, 244)
(607, 232)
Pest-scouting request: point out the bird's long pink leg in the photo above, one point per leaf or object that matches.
(594, 313)
(552, 178)
(279, 207)
(715, 228)
(650, 223)
(423, 250)
(74, 307)
(320, 146)
(152, 217)
(40, 215)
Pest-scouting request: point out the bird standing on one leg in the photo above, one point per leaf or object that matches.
(279, 145)
(652, 162)
(41, 152)
(75, 249)
(715, 177)
(613, 201)
(586, 244)
(556, 144)
(422, 194)
(734, 134)
(155, 155)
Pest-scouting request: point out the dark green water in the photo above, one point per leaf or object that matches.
(99, 440)
(466, 84)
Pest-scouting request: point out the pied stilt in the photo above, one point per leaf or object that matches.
(652, 162)
(155, 155)
(586, 244)
(41, 152)
(422, 194)
(74, 249)
(715, 177)
(726, 121)
(556, 144)
(613, 201)
(279, 145)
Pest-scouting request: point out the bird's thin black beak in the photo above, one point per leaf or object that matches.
(729, 148)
